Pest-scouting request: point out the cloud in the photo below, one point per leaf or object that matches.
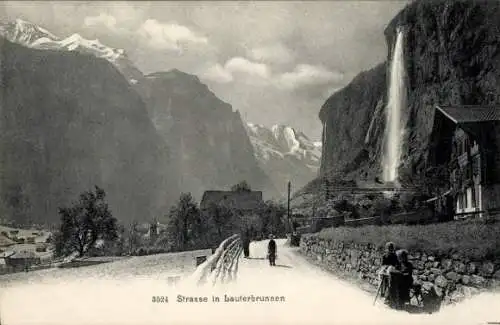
(169, 36)
(305, 74)
(239, 69)
(101, 20)
(276, 53)
(217, 73)
(242, 65)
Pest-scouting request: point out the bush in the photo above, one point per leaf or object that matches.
(473, 239)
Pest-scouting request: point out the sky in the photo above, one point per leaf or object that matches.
(275, 62)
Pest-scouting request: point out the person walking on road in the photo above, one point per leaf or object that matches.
(246, 244)
(271, 251)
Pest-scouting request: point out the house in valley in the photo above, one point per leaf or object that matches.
(465, 140)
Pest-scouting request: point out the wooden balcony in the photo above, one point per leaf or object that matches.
(463, 160)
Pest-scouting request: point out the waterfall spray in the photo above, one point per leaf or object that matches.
(395, 105)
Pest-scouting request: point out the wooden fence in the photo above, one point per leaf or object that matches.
(222, 266)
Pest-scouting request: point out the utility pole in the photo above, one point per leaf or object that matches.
(288, 208)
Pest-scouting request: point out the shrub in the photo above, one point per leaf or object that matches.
(473, 239)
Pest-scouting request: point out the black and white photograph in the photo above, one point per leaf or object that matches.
(250, 162)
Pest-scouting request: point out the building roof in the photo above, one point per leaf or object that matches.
(470, 113)
(5, 241)
(244, 200)
(23, 254)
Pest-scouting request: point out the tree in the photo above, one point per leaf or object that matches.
(16, 203)
(185, 223)
(273, 218)
(220, 218)
(241, 187)
(87, 221)
(134, 238)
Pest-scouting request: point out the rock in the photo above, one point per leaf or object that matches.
(477, 281)
(441, 281)
(459, 267)
(487, 268)
(447, 264)
(431, 258)
(436, 264)
(469, 292)
(465, 279)
(419, 264)
(436, 271)
(427, 286)
(472, 268)
(431, 277)
(496, 275)
(452, 276)
(457, 294)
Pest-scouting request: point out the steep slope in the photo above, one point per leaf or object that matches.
(285, 154)
(452, 57)
(34, 36)
(70, 121)
(209, 143)
(353, 126)
(452, 51)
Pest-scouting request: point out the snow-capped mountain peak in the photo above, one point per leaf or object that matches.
(23, 32)
(34, 36)
(282, 140)
(285, 153)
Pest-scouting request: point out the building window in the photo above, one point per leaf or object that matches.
(469, 199)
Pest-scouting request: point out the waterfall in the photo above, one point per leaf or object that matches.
(395, 106)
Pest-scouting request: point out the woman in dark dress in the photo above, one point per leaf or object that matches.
(405, 277)
(389, 264)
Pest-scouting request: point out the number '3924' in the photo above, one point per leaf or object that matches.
(159, 299)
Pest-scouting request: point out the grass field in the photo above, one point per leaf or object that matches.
(474, 239)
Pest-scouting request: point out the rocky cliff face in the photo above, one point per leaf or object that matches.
(453, 58)
(285, 154)
(209, 144)
(70, 121)
(353, 125)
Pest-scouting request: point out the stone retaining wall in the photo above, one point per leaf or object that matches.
(450, 277)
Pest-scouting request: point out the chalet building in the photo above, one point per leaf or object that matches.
(465, 142)
(247, 202)
(5, 242)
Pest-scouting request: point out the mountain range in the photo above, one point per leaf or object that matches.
(33, 36)
(285, 154)
(191, 140)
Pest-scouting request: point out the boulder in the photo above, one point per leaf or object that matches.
(447, 264)
(453, 276)
(472, 268)
(487, 268)
(459, 267)
(477, 281)
(441, 281)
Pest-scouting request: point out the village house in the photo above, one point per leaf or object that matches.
(5, 242)
(466, 141)
(246, 202)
